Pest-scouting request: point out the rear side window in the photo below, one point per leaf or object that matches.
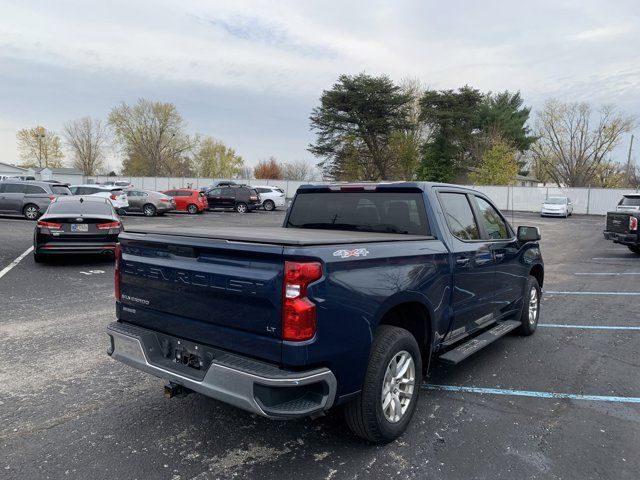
(35, 189)
(15, 188)
(184, 194)
(60, 190)
(387, 212)
(493, 223)
(457, 210)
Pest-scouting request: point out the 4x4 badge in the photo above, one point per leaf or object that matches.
(356, 252)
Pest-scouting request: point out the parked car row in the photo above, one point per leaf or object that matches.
(31, 198)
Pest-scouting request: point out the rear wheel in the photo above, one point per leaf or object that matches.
(241, 207)
(31, 211)
(38, 258)
(269, 205)
(390, 389)
(192, 209)
(634, 248)
(530, 308)
(149, 210)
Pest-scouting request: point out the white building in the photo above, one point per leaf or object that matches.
(10, 170)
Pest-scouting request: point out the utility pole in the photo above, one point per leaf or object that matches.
(629, 162)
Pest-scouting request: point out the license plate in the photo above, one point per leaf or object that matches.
(79, 227)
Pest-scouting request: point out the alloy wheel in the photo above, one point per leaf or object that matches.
(398, 386)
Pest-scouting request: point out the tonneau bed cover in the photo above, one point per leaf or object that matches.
(280, 236)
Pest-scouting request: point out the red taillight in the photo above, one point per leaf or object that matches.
(298, 312)
(165, 200)
(253, 198)
(633, 223)
(118, 256)
(112, 197)
(49, 225)
(52, 197)
(108, 226)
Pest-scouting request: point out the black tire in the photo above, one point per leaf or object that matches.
(38, 258)
(364, 415)
(149, 210)
(269, 205)
(31, 211)
(192, 209)
(528, 324)
(634, 248)
(241, 207)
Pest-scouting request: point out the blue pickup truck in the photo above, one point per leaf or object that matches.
(344, 306)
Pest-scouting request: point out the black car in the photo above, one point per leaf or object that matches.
(242, 199)
(77, 224)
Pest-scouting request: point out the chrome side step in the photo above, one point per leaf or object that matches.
(458, 354)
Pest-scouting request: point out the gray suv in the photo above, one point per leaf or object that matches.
(28, 198)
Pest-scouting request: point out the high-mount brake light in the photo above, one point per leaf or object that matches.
(108, 226)
(118, 257)
(298, 312)
(633, 223)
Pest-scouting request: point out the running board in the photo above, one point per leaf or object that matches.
(455, 356)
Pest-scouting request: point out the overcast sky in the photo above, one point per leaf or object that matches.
(249, 73)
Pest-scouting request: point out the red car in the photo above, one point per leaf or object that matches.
(192, 201)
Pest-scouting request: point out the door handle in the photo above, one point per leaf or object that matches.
(499, 255)
(462, 261)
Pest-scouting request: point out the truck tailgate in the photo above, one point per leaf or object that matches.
(220, 293)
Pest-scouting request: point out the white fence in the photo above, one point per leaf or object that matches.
(592, 201)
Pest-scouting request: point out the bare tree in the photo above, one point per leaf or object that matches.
(39, 147)
(571, 145)
(86, 139)
(300, 170)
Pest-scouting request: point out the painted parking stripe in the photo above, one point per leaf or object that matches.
(530, 393)
(6, 269)
(589, 327)
(611, 258)
(607, 273)
(553, 292)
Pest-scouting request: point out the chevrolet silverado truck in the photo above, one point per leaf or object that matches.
(622, 228)
(346, 305)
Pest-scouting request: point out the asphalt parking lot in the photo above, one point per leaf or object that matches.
(564, 403)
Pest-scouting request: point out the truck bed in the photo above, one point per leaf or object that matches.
(281, 236)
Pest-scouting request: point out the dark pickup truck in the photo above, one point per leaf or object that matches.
(622, 227)
(346, 305)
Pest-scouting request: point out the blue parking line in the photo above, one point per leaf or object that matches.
(588, 327)
(551, 292)
(530, 393)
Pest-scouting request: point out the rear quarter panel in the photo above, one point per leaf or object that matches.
(355, 293)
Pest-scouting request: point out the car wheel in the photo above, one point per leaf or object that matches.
(31, 211)
(530, 308)
(192, 209)
(634, 249)
(269, 205)
(390, 389)
(241, 207)
(38, 258)
(149, 210)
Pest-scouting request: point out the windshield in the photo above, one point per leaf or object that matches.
(630, 201)
(360, 211)
(556, 201)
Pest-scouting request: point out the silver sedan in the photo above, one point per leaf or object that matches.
(149, 202)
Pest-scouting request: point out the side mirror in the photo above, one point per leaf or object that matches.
(528, 234)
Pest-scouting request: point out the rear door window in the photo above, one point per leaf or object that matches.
(60, 190)
(630, 201)
(460, 219)
(35, 189)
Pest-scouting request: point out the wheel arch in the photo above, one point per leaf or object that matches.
(537, 271)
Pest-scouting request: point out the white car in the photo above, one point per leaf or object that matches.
(116, 195)
(272, 197)
(119, 183)
(557, 207)
(629, 203)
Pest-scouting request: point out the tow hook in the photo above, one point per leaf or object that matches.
(174, 390)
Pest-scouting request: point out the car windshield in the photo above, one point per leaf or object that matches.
(556, 201)
(631, 201)
(386, 212)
